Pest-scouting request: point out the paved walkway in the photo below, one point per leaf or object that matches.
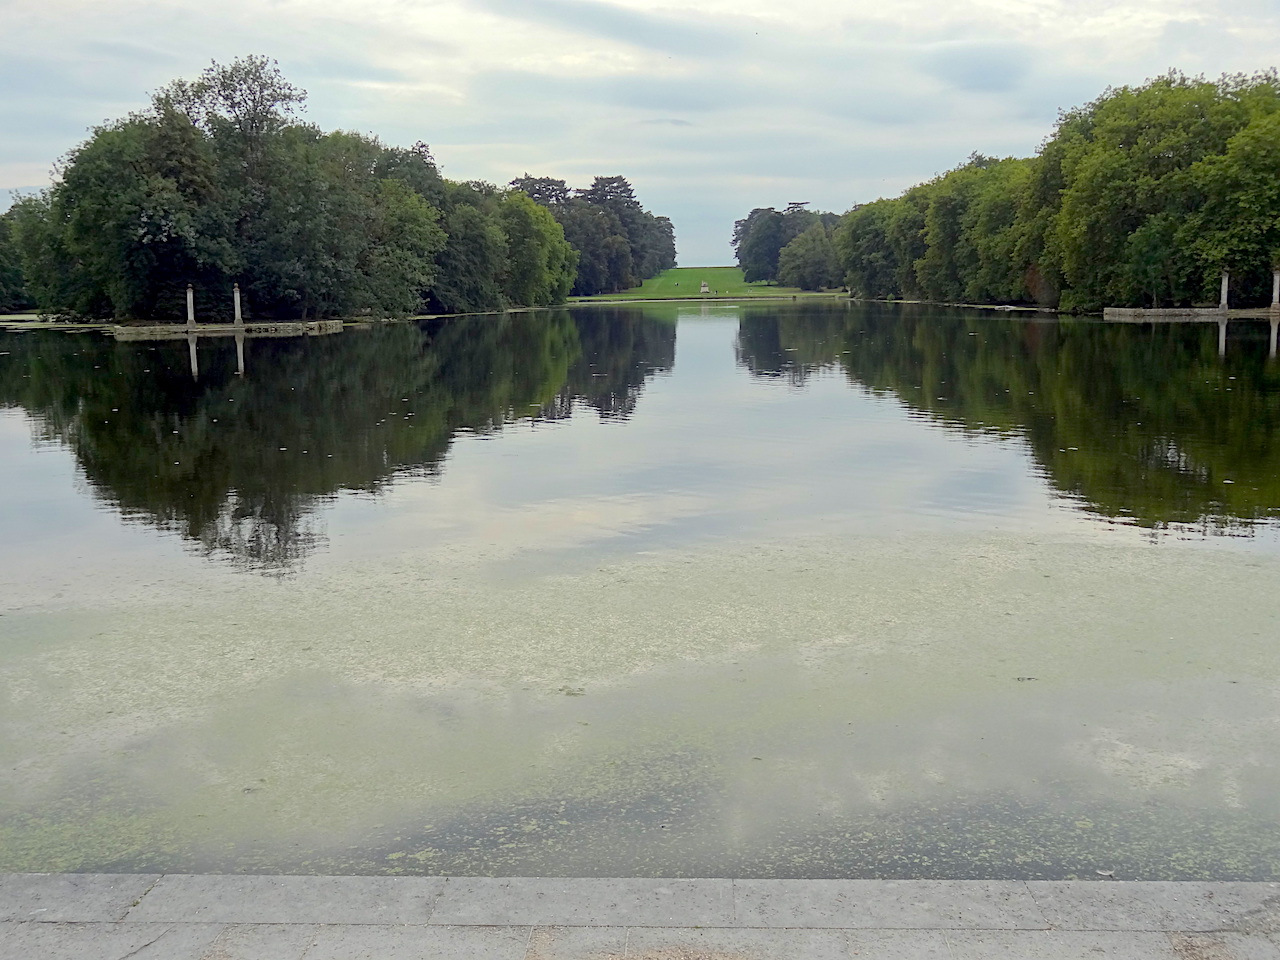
(172, 917)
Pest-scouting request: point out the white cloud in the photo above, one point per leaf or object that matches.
(711, 107)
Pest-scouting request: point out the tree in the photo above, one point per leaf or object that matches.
(540, 262)
(13, 286)
(546, 191)
(398, 266)
(1141, 197)
(590, 230)
(600, 221)
(473, 260)
(757, 241)
(219, 184)
(759, 238)
(414, 166)
(1237, 222)
(248, 98)
(809, 261)
(862, 248)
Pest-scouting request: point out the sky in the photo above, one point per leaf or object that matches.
(709, 107)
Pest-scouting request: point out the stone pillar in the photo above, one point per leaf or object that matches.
(1226, 285)
(235, 294)
(1275, 289)
(191, 307)
(1222, 338)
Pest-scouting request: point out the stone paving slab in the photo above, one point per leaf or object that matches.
(263, 941)
(577, 943)
(108, 941)
(433, 918)
(887, 904)
(419, 943)
(586, 902)
(1064, 945)
(1233, 946)
(1074, 905)
(239, 899)
(71, 896)
(739, 944)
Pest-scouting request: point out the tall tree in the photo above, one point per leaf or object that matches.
(219, 183)
(757, 241)
(540, 263)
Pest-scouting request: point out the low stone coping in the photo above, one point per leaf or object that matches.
(182, 917)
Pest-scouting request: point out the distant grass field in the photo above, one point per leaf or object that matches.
(685, 282)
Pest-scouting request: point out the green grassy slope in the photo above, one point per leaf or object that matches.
(685, 282)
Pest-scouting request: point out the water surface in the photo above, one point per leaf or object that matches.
(812, 590)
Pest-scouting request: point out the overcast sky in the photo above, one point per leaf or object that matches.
(709, 107)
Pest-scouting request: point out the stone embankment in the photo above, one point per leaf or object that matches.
(173, 917)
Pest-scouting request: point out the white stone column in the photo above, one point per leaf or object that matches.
(1226, 285)
(191, 307)
(1275, 289)
(236, 297)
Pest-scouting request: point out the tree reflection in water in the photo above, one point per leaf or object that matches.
(237, 465)
(1144, 425)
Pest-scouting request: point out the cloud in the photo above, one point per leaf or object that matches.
(711, 108)
(689, 36)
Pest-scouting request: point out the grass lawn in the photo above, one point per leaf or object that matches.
(684, 283)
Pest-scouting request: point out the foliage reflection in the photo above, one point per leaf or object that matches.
(1145, 425)
(237, 464)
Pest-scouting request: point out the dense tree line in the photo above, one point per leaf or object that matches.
(619, 243)
(1140, 198)
(792, 247)
(218, 182)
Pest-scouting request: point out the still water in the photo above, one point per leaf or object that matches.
(817, 590)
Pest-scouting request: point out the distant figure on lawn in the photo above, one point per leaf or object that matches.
(705, 287)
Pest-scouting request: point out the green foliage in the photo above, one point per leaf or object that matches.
(1138, 426)
(618, 243)
(809, 261)
(399, 261)
(472, 263)
(758, 240)
(862, 247)
(227, 471)
(541, 265)
(1141, 198)
(13, 283)
(218, 183)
